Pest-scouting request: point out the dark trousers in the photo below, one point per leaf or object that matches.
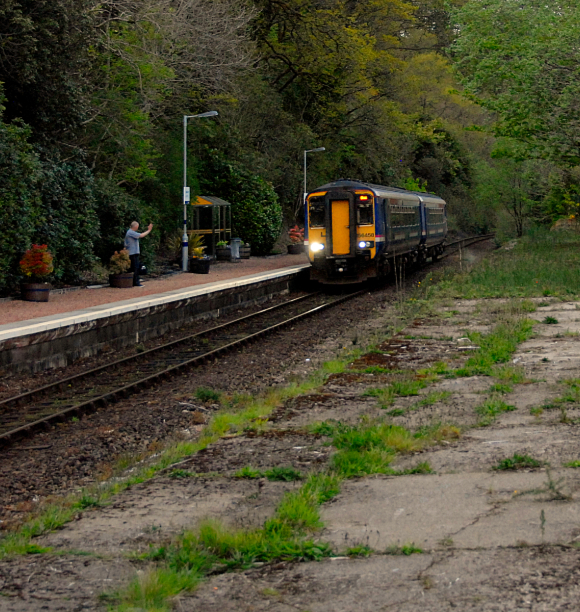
(135, 267)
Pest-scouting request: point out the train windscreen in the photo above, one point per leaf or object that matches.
(316, 212)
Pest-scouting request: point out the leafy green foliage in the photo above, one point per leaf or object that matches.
(518, 61)
(116, 210)
(20, 173)
(256, 212)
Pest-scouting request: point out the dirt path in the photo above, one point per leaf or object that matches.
(490, 539)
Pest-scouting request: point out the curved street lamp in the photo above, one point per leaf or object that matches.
(186, 198)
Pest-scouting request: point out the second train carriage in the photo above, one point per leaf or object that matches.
(355, 230)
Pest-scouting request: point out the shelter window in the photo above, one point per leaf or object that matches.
(317, 212)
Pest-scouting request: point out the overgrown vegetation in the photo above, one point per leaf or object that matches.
(529, 269)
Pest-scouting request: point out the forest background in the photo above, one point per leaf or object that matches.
(475, 100)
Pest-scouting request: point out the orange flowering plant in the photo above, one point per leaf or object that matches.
(296, 235)
(37, 262)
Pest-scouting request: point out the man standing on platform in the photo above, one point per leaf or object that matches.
(132, 245)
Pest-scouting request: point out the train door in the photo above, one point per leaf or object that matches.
(423, 220)
(342, 223)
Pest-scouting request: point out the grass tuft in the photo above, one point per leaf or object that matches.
(518, 462)
(491, 409)
(207, 395)
(406, 549)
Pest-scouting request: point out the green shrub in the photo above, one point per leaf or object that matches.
(256, 212)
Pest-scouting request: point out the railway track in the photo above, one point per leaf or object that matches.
(459, 244)
(38, 408)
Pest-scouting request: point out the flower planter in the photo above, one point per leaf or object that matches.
(245, 252)
(121, 281)
(294, 249)
(223, 253)
(35, 292)
(199, 266)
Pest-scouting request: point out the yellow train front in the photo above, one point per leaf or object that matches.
(355, 231)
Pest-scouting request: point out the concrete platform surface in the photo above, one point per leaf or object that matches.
(17, 310)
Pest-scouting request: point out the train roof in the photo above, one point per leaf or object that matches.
(353, 183)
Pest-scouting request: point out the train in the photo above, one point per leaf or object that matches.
(355, 231)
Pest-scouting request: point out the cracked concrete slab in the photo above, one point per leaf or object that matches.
(428, 509)
(499, 580)
(154, 511)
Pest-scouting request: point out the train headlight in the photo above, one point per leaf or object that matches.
(366, 244)
(316, 247)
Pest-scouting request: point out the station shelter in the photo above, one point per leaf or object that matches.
(211, 218)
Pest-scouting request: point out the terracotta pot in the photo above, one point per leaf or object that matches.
(35, 292)
(121, 281)
(294, 249)
(245, 252)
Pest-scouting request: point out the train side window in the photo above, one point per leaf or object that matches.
(403, 216)
(436, 215)
(364, 213)
(316, 212)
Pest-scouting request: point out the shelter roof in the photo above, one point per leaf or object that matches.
(210, 201)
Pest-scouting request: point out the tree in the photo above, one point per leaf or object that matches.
(256, 212)
(44, 65)
(521, 61)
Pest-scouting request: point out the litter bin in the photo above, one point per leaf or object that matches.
(235, 244)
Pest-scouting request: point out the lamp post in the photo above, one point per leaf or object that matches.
(305, 152)
(184, 244)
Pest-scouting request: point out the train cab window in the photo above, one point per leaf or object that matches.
(364, 210)
(316, 212)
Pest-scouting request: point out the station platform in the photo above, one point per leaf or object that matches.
(36, 336)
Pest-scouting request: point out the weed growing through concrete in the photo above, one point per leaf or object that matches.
(359, 551)
(510, 374)
(385, 395)
(433, 397)
(191, 556)
(178, 473)
(283, 474)
(518, 462)
(496, 347)
(572, 464)
(405, 549)
(501, 388)
(491, 409)
(550, 320)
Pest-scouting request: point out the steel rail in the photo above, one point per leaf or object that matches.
(166, 374)
(59, 384)
(470, 240)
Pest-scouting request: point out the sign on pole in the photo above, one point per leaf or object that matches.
(186, 195)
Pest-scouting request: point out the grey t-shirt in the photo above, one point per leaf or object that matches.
(132, 241)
